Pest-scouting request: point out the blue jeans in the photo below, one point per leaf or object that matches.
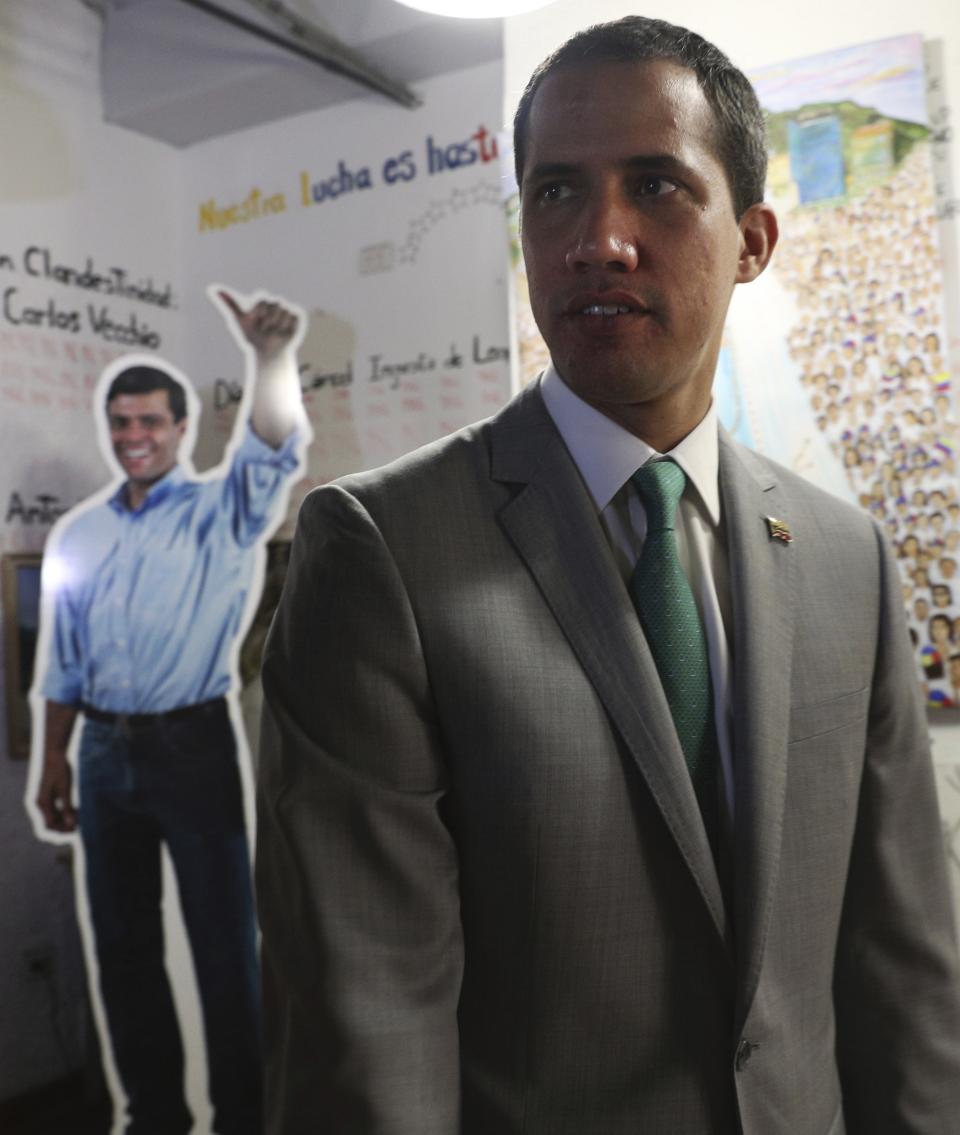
(174, 783)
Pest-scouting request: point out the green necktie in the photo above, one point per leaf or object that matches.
(668, 613)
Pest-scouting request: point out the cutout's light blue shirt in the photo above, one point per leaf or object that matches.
(148, 601)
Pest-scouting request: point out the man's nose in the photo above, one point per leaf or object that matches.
(605, 238)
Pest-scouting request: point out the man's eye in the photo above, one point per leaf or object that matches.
(652, 185)
(554, 191)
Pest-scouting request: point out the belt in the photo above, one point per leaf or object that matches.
(148, 720)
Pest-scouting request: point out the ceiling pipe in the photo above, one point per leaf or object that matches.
(317, 46)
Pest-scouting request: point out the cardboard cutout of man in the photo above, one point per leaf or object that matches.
(145, 589)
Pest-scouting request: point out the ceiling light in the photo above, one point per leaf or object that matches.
(475, 9)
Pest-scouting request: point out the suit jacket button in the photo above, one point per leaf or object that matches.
(744, 1052)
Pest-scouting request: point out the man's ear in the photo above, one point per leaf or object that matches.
(759, 232)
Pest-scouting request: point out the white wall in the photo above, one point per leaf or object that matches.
(79, 189)
(748, 31)
(402, 272)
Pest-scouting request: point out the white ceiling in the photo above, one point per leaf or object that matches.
(181, 75)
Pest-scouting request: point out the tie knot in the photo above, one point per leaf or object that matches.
(660, 486)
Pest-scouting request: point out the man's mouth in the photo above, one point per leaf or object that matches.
(606, 309)
(606, 304)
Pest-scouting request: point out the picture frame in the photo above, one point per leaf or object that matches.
(20, 581)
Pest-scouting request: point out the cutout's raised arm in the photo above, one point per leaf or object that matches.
(270, 327)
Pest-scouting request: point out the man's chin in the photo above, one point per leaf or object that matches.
(603, 383)
(143, 475)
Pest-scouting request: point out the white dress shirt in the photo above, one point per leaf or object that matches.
(607, 456)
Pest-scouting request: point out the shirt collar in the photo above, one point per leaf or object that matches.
(607, 455)
(157, 492)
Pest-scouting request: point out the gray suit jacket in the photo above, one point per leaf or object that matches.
(487, 899)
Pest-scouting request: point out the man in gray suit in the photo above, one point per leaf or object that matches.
(525, 864)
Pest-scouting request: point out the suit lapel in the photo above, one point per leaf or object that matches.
(761, 570)
(553, 525)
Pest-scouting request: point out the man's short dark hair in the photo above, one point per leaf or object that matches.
(146, 379)
(741, 140)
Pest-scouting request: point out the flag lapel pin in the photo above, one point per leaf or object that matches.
(779, 530)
